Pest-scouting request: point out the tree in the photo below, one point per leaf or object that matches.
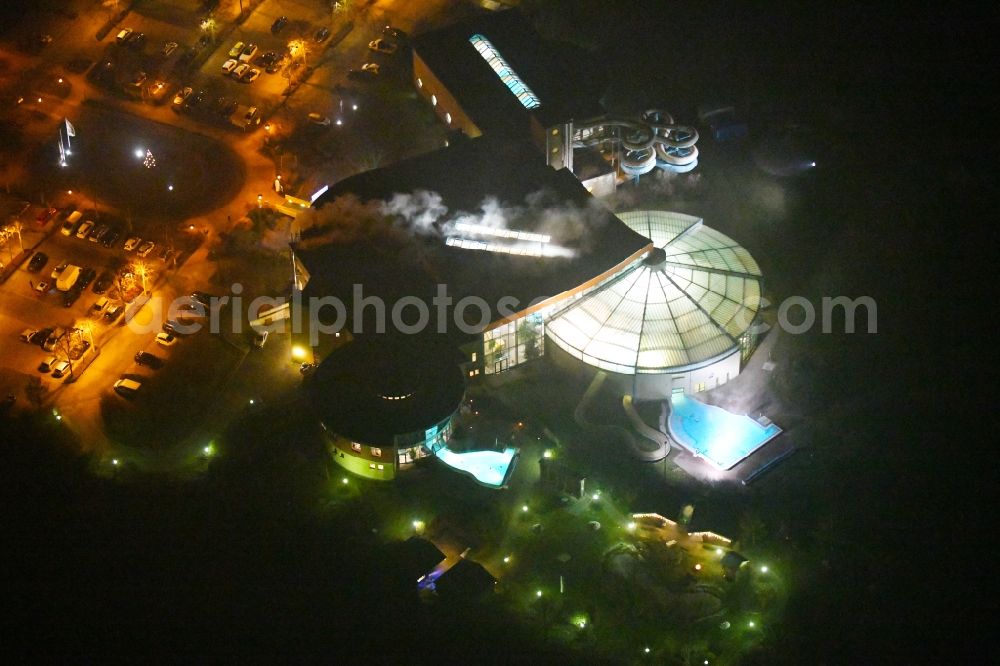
(752, 528)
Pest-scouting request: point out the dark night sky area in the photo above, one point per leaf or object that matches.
(237, 563)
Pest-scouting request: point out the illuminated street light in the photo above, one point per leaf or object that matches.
(631, 527)
(547, 453)
(260, 201)
(697, 567)
(418, 526)
(506, 559)
(298, 352)
(140, 153)
(751, 624)
(114, 461)
(524, 508)
(208, 450)
(645, 650)
(538, 593)
(344, 480)
(763, 569)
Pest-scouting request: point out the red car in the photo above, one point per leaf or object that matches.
(45, 215)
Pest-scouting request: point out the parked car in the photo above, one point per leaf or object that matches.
(87, 276)
(317, 119)
(127, 388)
(236, 50)
(132, 243)
(166, 339)
(114, 312)
(111, 237)
(71, 296)
(60, 369)
(275, 64)
(57, 271)
(394, 33)
(38, 261)
(239, 71)
(40, 337)
(136, 40)
(84, 229)
(250, 75)
(47, 364)
(99, 306)
(27, 334)
(169, 48)
(368, 71)
(145, 249)
(69, 225)
(181, 97)
(251, 117)
(229, 66)
(249, 51)
(55, 335)
(321, 35)
(278, 24)
(45, 215)
(381, 45)
(151, 360)
(227, 106)
(123, 35)
(102, 283)
(98, 233)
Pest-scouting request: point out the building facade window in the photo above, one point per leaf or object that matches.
(434, 100)
(356, 446)
(514, 343)
(377, 452)
(447, 118)
(420, 82)
(475, 355)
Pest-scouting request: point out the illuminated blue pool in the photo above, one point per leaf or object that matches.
(490, 468)
(720, 437)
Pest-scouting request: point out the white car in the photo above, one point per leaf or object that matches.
(127, 387)
(27, 333)
(60, 369)
(181, 97)
(132, 243)
(250, 75)
(382, 46)
(229, 66)
(123, 35)
(248, 53)
(166, 339)
(240, 71)
(84, 229)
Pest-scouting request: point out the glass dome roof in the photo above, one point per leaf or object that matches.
(685, 305)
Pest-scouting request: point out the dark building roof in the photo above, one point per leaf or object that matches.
(396, 260)
(563, 77)
(465, 579)
(418, 556)
(380, 386)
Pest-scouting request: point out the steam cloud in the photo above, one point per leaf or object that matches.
(422, 213)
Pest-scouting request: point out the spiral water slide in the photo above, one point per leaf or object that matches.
(653, 141)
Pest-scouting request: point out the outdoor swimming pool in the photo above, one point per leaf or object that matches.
(490, 468)
(720, 437)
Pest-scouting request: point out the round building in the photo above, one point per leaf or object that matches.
(386, 402)
(681, 319)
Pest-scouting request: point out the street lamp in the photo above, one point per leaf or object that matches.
(260, 201)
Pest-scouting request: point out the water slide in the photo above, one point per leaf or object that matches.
(653, 141)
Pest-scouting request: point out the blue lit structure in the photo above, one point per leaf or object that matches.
(509, 77)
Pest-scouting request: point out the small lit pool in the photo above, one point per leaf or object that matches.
(490, 468)
(720, 437)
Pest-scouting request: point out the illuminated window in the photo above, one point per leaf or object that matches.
(434, 100)
(555, 131)
(371, 465)
(376, 452)
(380, 467)
(420, 82)
(471, 373)
(447, 118)
(509, 77)
(474, 356)
(355, 446)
